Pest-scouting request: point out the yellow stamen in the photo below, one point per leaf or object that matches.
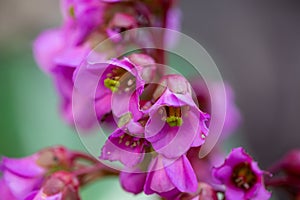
(113, 85)
(174, 116)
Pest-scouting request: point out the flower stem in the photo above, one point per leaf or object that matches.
(90, 174)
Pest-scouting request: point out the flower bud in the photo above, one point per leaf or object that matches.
(291, 163)
(61, 185)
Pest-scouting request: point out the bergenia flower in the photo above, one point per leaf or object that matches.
(60, 60)
(242, 177)
(175, 122)
(118, 83)
(83, 17)
(168, 178)
(203, 166)
(23, 175)
(59, 186)
(124, 147)
(232, 117)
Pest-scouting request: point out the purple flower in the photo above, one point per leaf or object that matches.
(83, 17)
(203, 166)
(124, 147)
(242, 177)
(175, 122)
(58, 58)
(59, 186)
(232, 117)
(116, 84)
(170, 177)
(46, 47)
(23, 175)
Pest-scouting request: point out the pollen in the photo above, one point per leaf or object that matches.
(113, 85)
(174, 116)
(119, 79)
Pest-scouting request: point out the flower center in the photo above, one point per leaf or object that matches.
(243, 176)
(173, 116)
(119, 79)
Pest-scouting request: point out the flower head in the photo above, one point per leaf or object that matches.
(175, 123)
(232, 117)
(23, 175)
(242, 177)
(168, 178)
(124, 147)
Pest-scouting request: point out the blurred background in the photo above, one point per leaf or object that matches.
(254, 43)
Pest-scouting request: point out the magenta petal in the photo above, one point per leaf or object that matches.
(25, 167)
(46, 47)
(182, 175)
(103, 106)
(262, 194)
(236, 156)
(135, 128)
(157, 180)
(5, 192)
(133, 182)
(222, 174)
(20, 186)
(31, 195)
(233, 194)
(72, 56)
(117, 149)
(173, 142)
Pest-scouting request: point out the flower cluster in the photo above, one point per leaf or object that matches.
(60, 51)
(160, 121)
(52, 173)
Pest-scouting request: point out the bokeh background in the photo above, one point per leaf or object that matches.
(255, 44)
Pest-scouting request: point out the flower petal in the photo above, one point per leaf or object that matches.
(182, 175)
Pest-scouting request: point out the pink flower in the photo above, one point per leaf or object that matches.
(203, 166)
(23, 175)
(170, 177)
(115, 85)
(232, 117)
(83, 17)
(124, 147)
(59, 186)
(175, 122)
(60, 59)
(242, 177)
